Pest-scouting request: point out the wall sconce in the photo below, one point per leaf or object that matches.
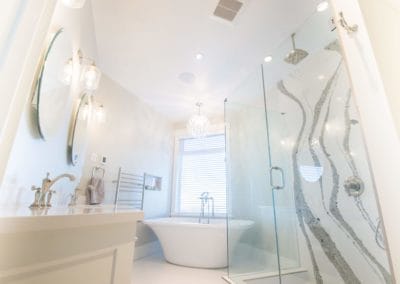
(91, 77)
(85, 113)
(100, 114)
(67, 72)
(74, 4)
(92, 111)
(90, 73)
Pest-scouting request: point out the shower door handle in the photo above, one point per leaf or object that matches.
(271, 178)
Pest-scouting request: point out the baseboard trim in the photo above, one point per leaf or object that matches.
(147, 249)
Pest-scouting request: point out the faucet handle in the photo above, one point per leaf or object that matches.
(73, 200)
(46, 180)
(34, 188)
(38, 193)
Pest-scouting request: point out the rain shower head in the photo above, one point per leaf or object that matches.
(296, 55)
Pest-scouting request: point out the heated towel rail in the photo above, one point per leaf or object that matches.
(130, 189)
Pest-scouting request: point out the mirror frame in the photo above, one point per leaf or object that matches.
(38, 80)
(84, 97)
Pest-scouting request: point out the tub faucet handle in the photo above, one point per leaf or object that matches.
(204, 195)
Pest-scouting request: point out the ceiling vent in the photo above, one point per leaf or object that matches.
(227, 9)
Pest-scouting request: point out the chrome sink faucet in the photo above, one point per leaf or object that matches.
(44, 194)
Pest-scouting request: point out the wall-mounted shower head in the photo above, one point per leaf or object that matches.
(296, 55)
(334, 46)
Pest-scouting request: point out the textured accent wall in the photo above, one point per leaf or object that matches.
(323, 136)
(324, 221)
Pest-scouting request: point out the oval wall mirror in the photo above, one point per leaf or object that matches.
(51, 93)
(80, 129)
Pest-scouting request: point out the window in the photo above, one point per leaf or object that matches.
(200, 167)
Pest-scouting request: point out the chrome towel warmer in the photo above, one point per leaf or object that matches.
(130, 189)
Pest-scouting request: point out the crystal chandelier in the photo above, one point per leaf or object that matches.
(198, 124)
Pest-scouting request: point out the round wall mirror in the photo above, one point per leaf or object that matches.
(51, 93)
(80, 128)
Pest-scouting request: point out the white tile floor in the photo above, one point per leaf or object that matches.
(155, 270)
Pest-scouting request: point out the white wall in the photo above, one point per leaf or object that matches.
(133, 136)
(23, 28)
(382, 19)
(31, 157)
(136, 138)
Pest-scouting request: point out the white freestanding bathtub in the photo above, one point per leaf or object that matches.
(186, 242)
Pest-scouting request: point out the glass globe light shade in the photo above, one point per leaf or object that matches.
(67, 72)
(100, 114)
(322, 6)
(85, 113)
(91, 77)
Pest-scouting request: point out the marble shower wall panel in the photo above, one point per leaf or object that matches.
(315, 131)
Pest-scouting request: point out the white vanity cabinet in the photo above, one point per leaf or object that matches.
(79, 246)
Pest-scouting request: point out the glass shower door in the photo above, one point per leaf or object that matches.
(252, 241)
(322, 187)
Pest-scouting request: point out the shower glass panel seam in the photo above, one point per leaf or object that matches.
(270, 165)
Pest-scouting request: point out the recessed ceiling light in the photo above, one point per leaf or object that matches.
(187, 78)
(322, 6)
(321, 77)
(268, 58)
(199, 56)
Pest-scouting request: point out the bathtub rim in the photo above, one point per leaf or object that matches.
(167, 221)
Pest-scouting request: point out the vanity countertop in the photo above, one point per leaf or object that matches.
(23, 219)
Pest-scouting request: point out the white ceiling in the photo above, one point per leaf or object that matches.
(145, 44)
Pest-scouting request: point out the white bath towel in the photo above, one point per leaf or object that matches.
(95, 191)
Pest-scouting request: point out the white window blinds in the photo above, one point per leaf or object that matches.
(201, 168)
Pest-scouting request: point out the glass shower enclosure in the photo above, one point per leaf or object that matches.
(298, 169)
